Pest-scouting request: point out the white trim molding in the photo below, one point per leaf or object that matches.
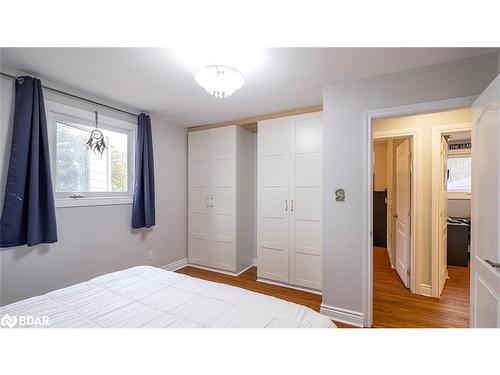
(230, 273)
(426, 290)
(174, 266)
(291, 286)
(343, 315)
(92, 201)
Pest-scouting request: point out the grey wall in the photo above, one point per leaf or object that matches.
(343, 106)
(97, 240)
(459, 207)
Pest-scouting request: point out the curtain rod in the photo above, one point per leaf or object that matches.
(14, 78)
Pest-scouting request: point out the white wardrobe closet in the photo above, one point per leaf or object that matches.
(221, 203)
(289, 202)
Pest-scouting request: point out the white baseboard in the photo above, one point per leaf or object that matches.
(176, 265)
(343, 315)
(291, 286)
(425, 290)
(230, 273)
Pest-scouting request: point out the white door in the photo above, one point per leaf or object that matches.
(443, 214)
(403, 211)
(199, 236)
(222, 199)
(390, 200)
(305, 201)
(273, 219)
(485, 252)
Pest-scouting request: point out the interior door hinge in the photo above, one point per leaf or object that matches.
(409, 212)
(408, 271)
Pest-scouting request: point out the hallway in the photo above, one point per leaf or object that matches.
(395, 307)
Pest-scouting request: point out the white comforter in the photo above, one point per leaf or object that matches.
(152, 297)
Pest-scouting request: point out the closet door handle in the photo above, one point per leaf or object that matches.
(492, 264)
(291, 209)
(286, 204)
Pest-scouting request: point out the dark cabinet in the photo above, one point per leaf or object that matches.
(458, 242)
(379, 219)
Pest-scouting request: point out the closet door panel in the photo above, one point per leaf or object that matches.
(308, 202)
(274, 202)
(199, 228)
(223, 173)
(306, 269)
(274, 137)
(273, 199)
(308, 134)
(224, 256)
(306, 170)
(306, 193)
(199, 199)
(275, 170)
(223, 201)
(223, 153)
(198, 252)
(222, 228)
(200, 174)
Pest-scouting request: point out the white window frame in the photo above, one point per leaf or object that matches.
(57, 112)
(459, 195)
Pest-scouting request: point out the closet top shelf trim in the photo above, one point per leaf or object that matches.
(250, 123)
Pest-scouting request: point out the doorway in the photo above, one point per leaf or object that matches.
(451, 211)
(411, 272)
(392, 197)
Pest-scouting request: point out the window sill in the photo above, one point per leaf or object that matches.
(459, 196)
(92, 201)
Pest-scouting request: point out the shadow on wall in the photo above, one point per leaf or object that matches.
(21, 252)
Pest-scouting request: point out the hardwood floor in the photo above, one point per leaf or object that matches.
(248, 280)
(394, 306)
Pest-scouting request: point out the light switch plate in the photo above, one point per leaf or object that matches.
(340, 195)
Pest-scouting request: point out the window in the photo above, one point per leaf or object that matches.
(81, 176)
(459, 174)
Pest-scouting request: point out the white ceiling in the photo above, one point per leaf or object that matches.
(161, 81)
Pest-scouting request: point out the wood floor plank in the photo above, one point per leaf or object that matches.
(394, 306)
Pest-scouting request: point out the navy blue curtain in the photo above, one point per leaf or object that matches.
(143, 209)
(28, 215)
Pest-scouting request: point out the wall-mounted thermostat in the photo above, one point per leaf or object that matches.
(339, 195)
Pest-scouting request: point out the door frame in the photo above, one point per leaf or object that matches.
(368, 117)
(415, 137)
(437, 133)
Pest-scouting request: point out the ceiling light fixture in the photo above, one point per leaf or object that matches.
(219, 80)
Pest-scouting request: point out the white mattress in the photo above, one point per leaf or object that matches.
(152, 297)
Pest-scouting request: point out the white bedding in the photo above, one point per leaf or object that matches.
(152, 297)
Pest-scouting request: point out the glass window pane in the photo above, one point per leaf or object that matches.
(81, 170)
(117, 146)
(459, 179)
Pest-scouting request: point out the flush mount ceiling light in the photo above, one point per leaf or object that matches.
(219, 80)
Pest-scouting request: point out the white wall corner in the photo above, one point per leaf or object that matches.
(343, 315)
(176, 265)
(254, 261)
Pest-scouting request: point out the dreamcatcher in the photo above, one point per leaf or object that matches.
(96, 141)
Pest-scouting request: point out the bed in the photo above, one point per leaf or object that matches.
(146, 296)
